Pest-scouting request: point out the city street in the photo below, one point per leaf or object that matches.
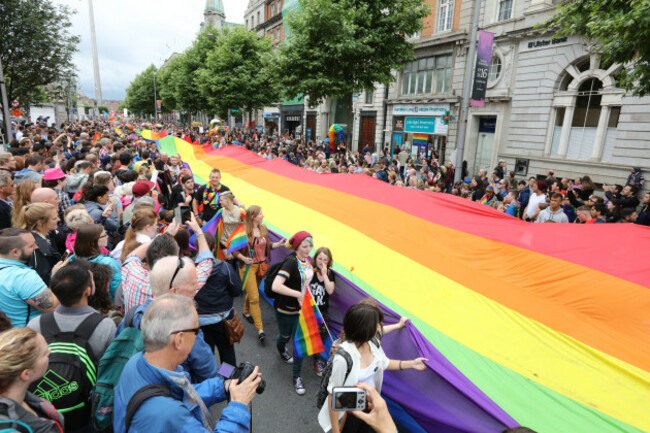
(279, 408)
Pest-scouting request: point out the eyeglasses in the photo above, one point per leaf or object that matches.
(179, 266)
(194, 330)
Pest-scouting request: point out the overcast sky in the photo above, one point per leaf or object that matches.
(132, 34)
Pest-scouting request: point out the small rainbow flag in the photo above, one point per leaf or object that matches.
(420, 139)
(96, 137)
(237, 240)
(307, 340)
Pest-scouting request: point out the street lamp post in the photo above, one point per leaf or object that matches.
(155, 99)
(467, 91)
(5, 106)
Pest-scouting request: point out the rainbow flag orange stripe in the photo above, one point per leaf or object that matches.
(307, 340)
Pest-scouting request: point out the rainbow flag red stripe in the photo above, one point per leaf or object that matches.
(237, 240)
(307, 340)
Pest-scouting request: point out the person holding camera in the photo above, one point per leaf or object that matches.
(361, 326)
(169, 327)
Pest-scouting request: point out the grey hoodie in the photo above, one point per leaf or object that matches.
(75, 181)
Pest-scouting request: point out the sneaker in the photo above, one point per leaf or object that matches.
(297, 383)
(286, 357)
(318, 367)
(261, 337)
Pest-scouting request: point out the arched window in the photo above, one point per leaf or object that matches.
(584, 122)
(495, 69)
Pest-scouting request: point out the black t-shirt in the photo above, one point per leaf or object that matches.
(317, 287)
(208, 210)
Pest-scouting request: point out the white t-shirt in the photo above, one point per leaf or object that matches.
(533, 202)
(117, 252)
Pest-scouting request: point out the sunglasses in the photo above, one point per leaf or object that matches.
(194, 330)
(179, 266)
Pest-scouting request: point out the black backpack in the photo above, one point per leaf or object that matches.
(321, 395)
(72, 371)
(270, 275)
(139, 397)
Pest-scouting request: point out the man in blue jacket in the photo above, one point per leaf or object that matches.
(169, 328)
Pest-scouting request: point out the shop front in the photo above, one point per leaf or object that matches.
(420, 130)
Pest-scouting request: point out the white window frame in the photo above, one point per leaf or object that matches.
(500, 6)
(445, 15)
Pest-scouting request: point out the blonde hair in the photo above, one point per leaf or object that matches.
(141, 218)
(22, 197)
(77, 217)
(251, 213)
(18, 352)
(31, 214)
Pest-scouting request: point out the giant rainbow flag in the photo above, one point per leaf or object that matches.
(541, 325)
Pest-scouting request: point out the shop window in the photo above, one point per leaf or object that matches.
(424, 75)
(505, 10)
(445, 15)
(495, 69)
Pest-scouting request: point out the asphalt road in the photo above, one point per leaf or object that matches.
(279, 408)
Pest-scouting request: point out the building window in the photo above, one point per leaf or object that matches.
(495, 69)
(252, 22)
(445, 15)
(369, 96)
(584, 123)
(505, 9)
(246, 24)
(426, 75)
(258, 16)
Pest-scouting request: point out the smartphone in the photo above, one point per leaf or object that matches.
(65, 256)
(348, 398)
(182, 214)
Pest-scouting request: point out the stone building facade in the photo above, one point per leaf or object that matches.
(550, 103)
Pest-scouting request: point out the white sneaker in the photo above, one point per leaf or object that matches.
(300, 388)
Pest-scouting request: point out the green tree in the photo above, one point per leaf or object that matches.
(619, 29)
(166, 87)
(239, 72)
(35, 46)
(184, 78)
(339, 47)
(140, 93)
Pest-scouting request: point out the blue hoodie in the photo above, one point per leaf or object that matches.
(172, 414)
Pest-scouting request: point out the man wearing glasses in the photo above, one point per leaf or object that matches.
(169, 331)
(173, 274)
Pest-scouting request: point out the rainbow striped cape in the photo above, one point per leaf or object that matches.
(307, 340)
(215, 227)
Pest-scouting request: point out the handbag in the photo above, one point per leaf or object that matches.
(234, 328)
(262, 268)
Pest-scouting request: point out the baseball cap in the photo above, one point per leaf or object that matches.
(142, 187)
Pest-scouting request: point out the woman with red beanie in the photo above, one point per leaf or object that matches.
(290, 284)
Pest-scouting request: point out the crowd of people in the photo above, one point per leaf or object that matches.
(95, 266)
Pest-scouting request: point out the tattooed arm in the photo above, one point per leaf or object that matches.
(44, 301)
